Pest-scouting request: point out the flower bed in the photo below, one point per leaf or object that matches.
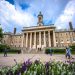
(39, 68)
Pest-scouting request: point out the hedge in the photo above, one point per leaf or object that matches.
(14, 51)
(3, 46)
(9, 49)
(72, 47)
(59, 50)
(47, 51)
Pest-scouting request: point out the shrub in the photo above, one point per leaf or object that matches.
(12, 50)
(3, 46)
(54, 50)
(72, 47)
(9, 50)
(47, 51)
(59, 50)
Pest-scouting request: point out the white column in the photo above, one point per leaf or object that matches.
(22, 45)
(22, 40)
(35, 39)
(26, 39)
(54, 38)
(49, 38)
(31, 40)
(40, 39)
(44, 39)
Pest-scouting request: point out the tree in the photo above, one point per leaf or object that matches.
(1, 34)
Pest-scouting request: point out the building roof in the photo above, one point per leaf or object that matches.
(9, 33)
(64, 30)
(38, 27)
(17, 34)
(40, 14)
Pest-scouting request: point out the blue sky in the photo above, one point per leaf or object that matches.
(23, 13)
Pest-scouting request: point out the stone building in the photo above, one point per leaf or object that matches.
(40, 36)
(64, 38)
(11, 39)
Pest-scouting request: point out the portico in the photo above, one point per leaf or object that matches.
(40, 36)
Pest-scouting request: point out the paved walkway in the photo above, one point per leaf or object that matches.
(9, 60)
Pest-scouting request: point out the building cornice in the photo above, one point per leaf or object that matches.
(38, 27)
(60, 31)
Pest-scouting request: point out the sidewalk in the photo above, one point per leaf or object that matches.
(9, 60)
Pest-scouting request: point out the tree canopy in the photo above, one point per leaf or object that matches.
(1, 34)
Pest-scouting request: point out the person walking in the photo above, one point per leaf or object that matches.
(51, 51)
(68, 53)
(5, 52)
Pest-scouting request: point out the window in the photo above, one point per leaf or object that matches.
(66, 33)
(73, 39)
(57, 45)
(56, 41)
(19, 45)
(67, 40)
(61, 40)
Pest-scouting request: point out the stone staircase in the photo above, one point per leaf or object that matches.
(32, 51)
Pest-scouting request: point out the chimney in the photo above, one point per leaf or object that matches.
(14, 30)
(70, 25)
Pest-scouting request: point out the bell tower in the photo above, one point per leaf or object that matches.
(40, 19)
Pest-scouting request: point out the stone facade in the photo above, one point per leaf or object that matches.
(14, 40)
(65, 38)
(40, 36)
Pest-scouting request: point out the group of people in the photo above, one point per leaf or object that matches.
(67, 55)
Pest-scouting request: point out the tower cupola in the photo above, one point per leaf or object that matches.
(40, 19)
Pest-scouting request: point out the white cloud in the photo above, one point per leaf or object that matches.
(10, 17)
(67, 15)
